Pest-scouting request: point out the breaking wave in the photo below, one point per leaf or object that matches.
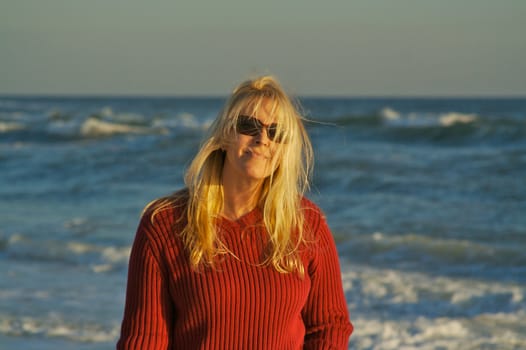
(445, 256)
(6, 127)
(391, 125)
(93, 127)
(98, 258)
(55, 325)
(413, 310)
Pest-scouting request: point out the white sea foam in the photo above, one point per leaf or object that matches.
(80, 225)
(95, 127)
(116, 254)
(413, 119)
(14, 293)
(426, 333)
(410, 120)
(101, 268)
(81, 248)
(394, 309)
(453, 118)
(106, 257)
(109, 114)
(414, 247)
(183, 120)
(389, 114)
(98, 258)
(397, 287)
(57, 326)
(10, 126)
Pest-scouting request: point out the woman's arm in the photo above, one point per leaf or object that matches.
(325, 313)
(148, 313)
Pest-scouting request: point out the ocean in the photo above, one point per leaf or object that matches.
(426, 199)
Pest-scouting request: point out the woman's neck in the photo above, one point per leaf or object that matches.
(239, 198)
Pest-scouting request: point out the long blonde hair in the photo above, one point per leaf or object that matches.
(281, 193)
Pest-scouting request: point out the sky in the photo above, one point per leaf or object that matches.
(314, 47)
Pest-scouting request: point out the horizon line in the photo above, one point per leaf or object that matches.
(300, 96)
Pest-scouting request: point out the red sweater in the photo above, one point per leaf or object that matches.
(239, 304)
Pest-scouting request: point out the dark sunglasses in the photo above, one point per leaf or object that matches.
(251, 126)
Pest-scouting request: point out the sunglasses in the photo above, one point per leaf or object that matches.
(251, 126)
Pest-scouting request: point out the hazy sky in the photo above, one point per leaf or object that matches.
(315, 47)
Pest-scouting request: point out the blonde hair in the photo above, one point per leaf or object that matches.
(281, 194)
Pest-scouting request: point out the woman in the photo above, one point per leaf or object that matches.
(240, 259)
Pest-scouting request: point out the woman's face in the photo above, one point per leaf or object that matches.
(251, 158)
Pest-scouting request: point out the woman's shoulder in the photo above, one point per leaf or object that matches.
(171, 208)
(315, 222)
(160, 222)
(310, 208)
(174, 200)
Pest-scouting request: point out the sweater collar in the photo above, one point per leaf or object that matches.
(252, 217)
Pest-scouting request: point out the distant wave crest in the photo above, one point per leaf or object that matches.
(94, 127)
(450, 119)
(389, 114)
(413, 119)
(453, 127)
(6, 127)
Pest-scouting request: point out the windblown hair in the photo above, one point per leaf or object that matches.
(281, 192)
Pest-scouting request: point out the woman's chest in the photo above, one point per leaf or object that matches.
(239, 284)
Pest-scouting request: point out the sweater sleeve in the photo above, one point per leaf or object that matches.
(148, 312)
(325, 313)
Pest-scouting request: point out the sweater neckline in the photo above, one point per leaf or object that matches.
(248, 218)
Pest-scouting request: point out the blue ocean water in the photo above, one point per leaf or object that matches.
(426, 199)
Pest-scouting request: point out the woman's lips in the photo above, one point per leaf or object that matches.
(257, 154)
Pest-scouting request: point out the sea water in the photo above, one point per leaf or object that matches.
(426, 199)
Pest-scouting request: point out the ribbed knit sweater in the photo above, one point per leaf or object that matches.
(238, 304)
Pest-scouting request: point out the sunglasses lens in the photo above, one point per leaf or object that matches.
(271, 131)
(252, 126)
(248, 126)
